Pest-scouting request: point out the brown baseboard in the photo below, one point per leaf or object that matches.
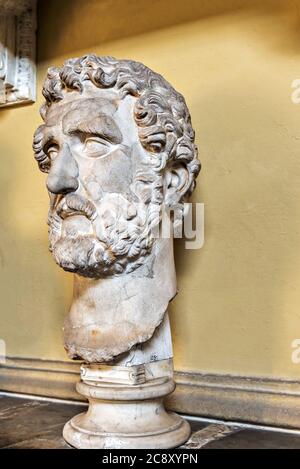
(256, 400)
(238, 398)
(40, 377)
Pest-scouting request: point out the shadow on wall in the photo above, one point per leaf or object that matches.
(78, 24)
(241, 291)
(242, 283)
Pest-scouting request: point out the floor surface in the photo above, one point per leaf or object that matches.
(28, 423)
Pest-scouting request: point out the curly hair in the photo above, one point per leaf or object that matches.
(160, 112)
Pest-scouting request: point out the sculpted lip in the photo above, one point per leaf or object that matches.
(75, 204)
(70, 213)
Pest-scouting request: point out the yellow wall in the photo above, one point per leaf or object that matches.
(238, 309)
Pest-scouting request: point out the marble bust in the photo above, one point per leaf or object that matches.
(118, 147)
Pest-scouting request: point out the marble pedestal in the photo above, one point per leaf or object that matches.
(126, 417)
(126, 409)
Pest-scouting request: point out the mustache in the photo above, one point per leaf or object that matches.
(75, 204)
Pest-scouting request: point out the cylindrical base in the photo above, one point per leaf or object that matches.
(126, 417)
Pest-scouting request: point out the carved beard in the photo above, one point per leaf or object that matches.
(111, 240)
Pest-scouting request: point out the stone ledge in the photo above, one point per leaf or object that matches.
(250, 399)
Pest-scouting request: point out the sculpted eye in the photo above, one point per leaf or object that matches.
(52, 151)
(96, 147)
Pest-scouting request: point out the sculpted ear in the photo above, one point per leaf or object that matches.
(177, 182)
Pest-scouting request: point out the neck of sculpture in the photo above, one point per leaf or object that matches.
(109, 316)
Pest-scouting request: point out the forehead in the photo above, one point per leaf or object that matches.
(85, 108)
(88, 106)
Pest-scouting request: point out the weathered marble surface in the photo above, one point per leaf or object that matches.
(118, 146)
(130, 309)
(15, 7)
(17, 52)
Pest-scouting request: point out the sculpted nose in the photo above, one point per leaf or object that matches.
(63, 175)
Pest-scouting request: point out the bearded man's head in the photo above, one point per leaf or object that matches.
(117, 144)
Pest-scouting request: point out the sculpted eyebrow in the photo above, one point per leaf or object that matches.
(46, 138)
(102, 126)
